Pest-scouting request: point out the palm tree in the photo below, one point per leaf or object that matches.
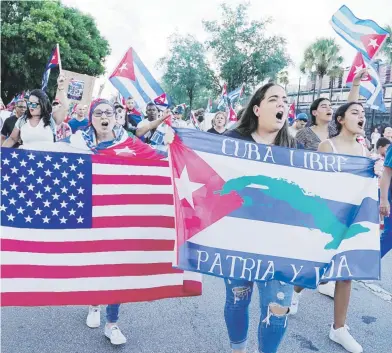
(334, 73)
(283, 78)
(320, 58)
(387, 48)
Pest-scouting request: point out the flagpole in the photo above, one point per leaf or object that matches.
(58, 52)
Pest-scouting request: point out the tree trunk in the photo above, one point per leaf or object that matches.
(320, 84)
(330, 92)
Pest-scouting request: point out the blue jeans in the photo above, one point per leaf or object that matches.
(272, 327)
(112, 313)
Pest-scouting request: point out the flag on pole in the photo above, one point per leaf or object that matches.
(236, 95)
(223, 103)
(291, 115)
(54, 61)
(83, 229)
(194, 121)
(227, 191)
(132, 79)
(364, 35)
(371, 88)
(209, 106)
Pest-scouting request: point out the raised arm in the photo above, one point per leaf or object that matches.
(354, 91)
(60, 114)
(153, 124)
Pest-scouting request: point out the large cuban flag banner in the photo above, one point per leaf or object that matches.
(364, 35)
(257, 213)
(132, 79)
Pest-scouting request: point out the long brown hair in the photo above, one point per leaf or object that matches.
(249, 121)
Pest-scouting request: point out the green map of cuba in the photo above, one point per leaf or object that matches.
(295, 196)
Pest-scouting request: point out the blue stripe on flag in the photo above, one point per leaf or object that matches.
(231, 147)
(368, 23)
(147, 75)
(267, 209)
(117, 83)
(354, 35)
(199, 258)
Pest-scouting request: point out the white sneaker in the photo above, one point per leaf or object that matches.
(94, 316)
(343, 337)
(327, 289)
(294, 303)
(114, 334)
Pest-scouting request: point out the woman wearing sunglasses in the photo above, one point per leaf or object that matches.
(38, 123)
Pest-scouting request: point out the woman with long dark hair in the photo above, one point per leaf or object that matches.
(264, 121)
(350, 122)
(39, 124)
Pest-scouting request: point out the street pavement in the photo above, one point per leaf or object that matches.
(197, 324)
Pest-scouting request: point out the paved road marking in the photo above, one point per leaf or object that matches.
(377, 290)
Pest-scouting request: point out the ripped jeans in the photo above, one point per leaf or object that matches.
(271, 327)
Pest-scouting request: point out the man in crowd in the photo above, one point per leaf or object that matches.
(388, 133)
(9, 123)
(151, 130)
(63, 130)
(134, 117)
(299, 123)
(80, 121)
(178, 117)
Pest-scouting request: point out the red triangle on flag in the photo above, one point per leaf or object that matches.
(196, 192)
(161, 99)
(125, 68)
(373, 43)
(357, 65)
(55, 57)
(232, 114)
(292, 111)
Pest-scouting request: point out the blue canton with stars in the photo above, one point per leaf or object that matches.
(45, 190)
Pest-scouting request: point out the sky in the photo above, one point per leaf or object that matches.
(146, 25)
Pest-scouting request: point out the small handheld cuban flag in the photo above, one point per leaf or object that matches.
(209, 106)
(223, 103)
(364, 35)
(161, 102)
(371, 86)
(54, 61)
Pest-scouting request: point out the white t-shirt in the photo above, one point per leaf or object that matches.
(293, 131)
(30, 134)
(375, 137)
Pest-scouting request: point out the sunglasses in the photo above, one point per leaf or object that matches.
(32, 105)
(21, 106)
(55, 103)
(99, 113)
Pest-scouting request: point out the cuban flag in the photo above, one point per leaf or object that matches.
(194, 121)
(256, 212)
(132, 79)
(364, 35)
(53, 62)
(236, 94)
(371, 87)
(223, 103)
(162, 102)
(291, 116)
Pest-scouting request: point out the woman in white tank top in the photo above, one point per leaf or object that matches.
(39, 124)
(350, 122)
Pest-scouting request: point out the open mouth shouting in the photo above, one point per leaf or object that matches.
(361, 124)
(279, 115)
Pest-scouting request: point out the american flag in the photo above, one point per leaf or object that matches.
(87, 229)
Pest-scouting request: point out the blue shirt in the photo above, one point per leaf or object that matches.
(77, 125)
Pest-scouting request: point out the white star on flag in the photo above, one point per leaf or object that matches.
(80, 160)
(11, 217)
(126, 150)
(23, 163)
(186, 188)
(46, 219)
(64, 159)
(80, 219)
(14, 155)
(123, 67)
(55, 212)
(28, 219)
(373, 43)
(357, 69)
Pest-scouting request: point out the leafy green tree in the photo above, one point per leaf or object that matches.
(242, 50)
(30, 30)
(321, 58)
(186, 70)
(387, 48)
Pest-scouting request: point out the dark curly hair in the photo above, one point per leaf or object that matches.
(44, 103)
(248, 122)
